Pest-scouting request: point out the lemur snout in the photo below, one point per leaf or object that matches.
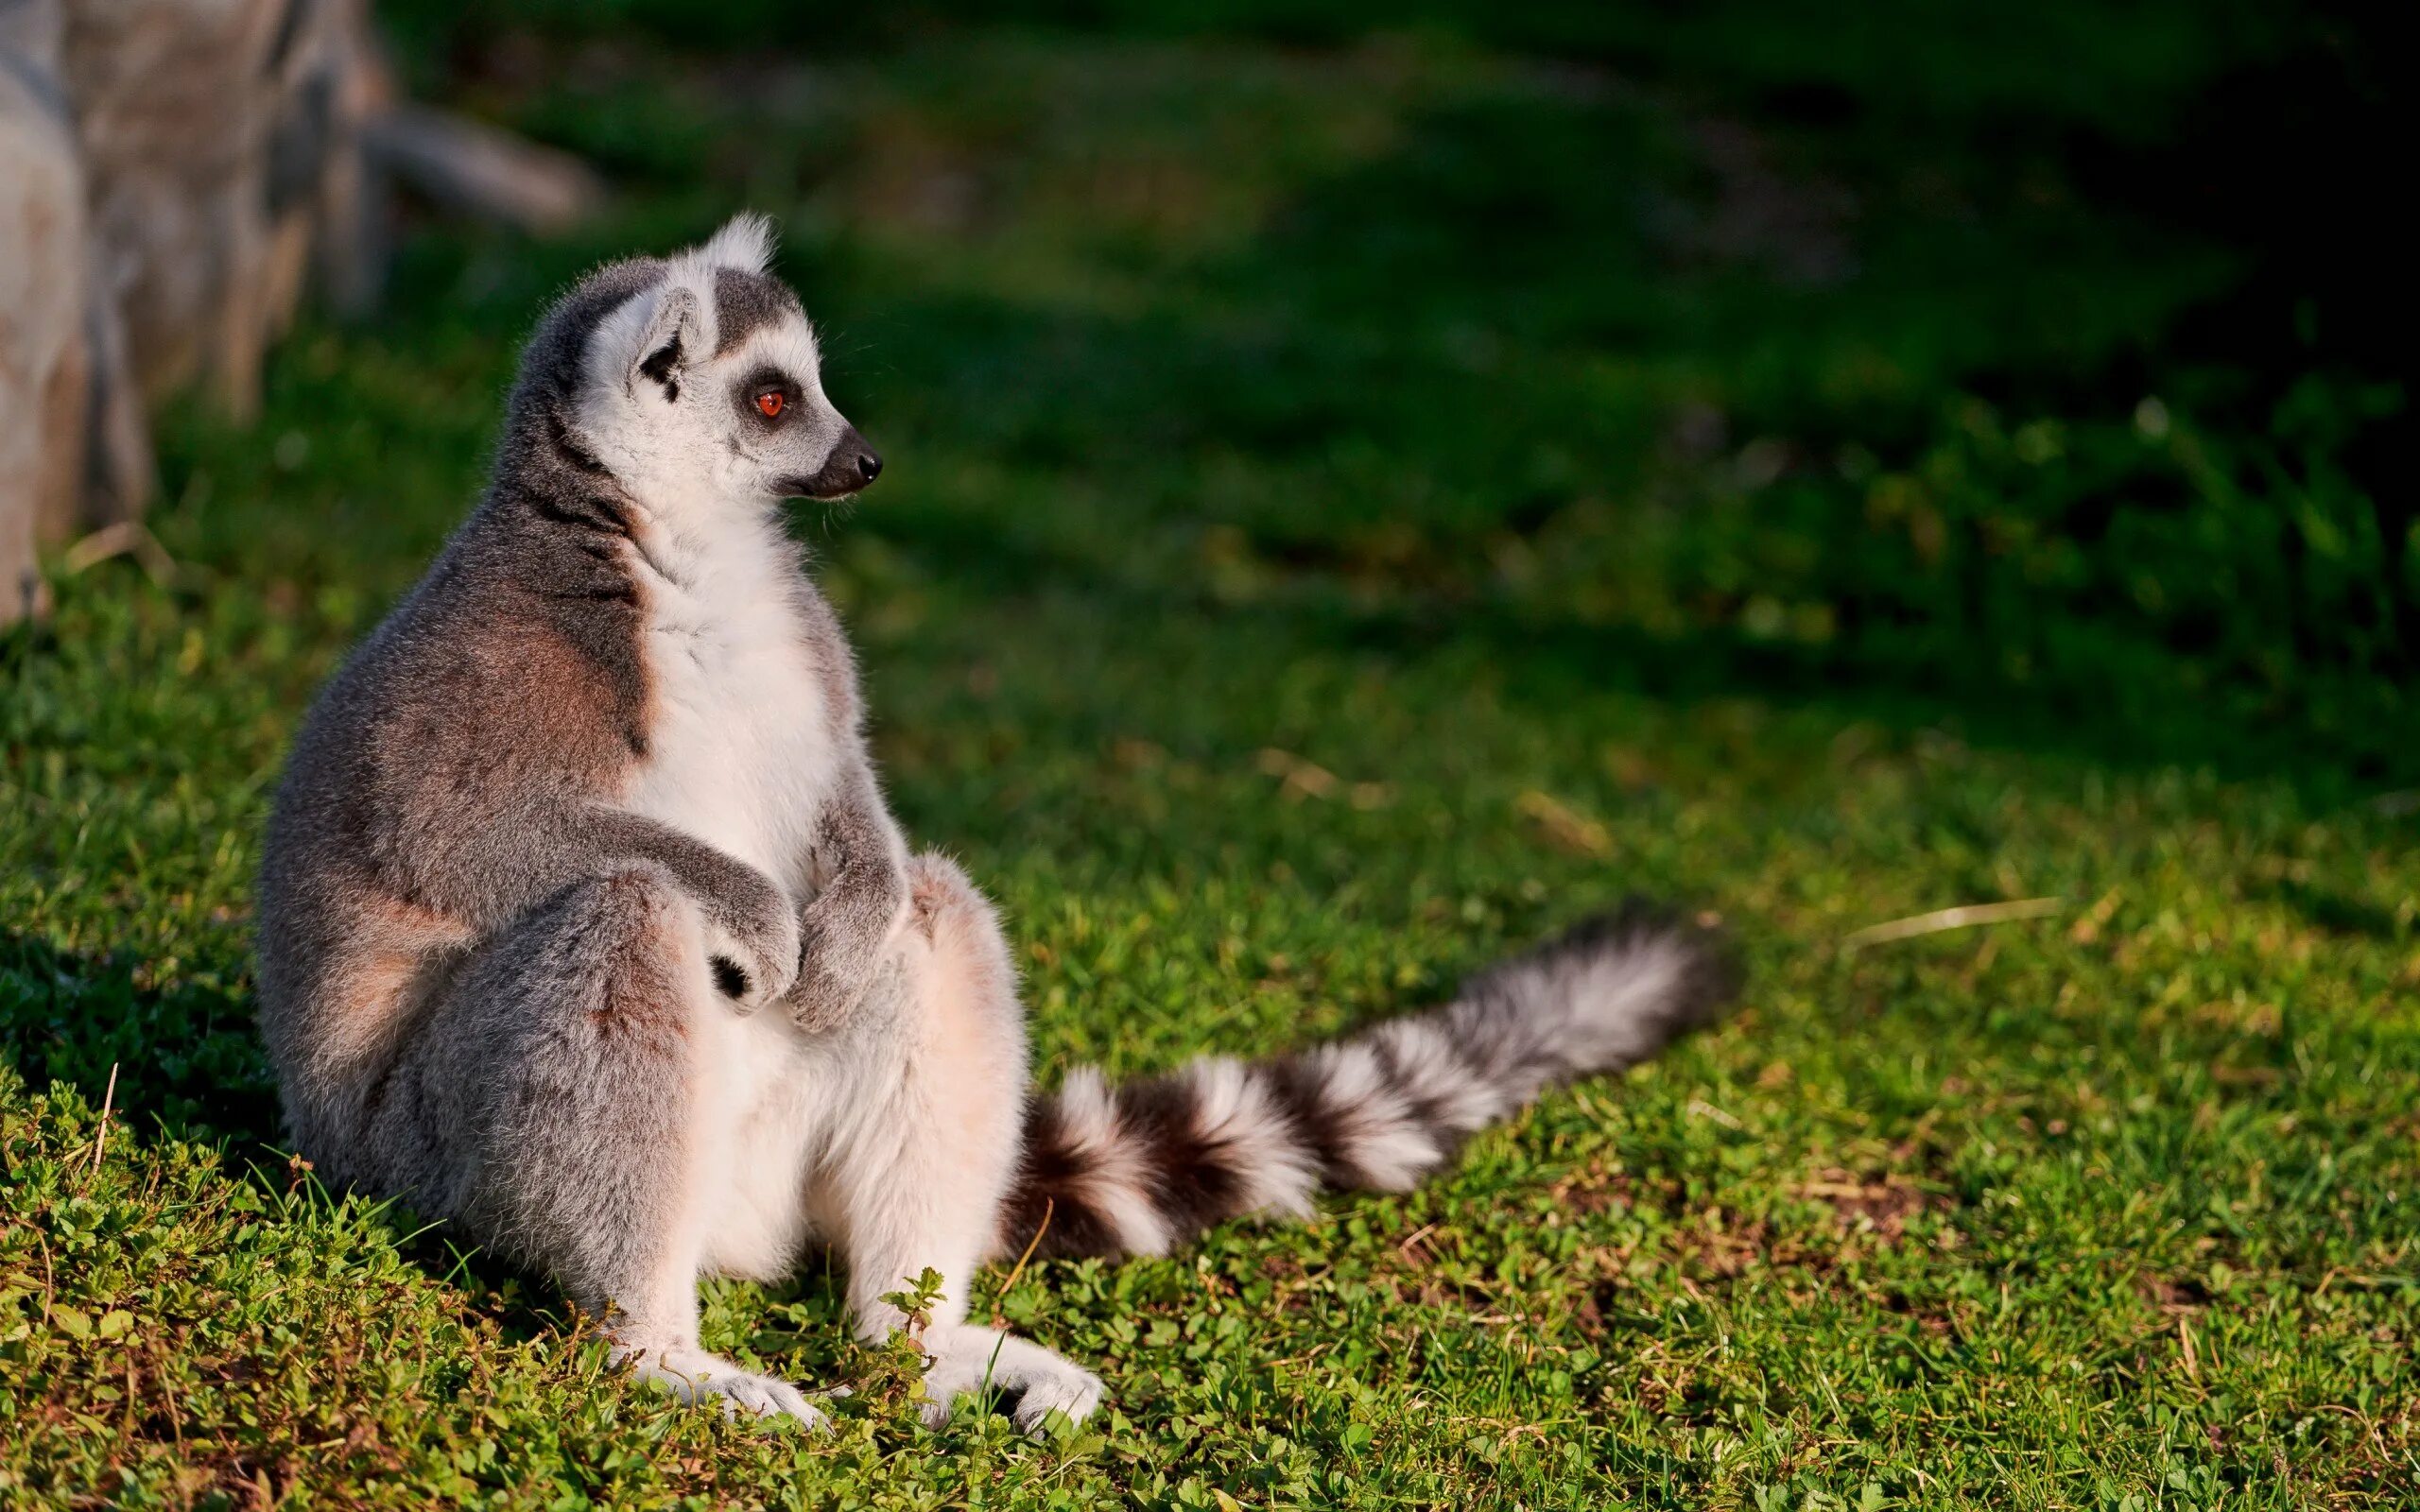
(852, 465)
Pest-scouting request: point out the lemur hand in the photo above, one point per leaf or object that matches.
(845, 932)
(752, 939)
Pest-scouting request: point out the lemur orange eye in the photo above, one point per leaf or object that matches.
(770, 403)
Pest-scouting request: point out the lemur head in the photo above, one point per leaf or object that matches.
(703, 382)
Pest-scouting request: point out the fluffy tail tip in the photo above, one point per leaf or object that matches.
(1608, 993)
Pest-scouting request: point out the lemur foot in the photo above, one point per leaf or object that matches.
(968, 1360)
(695, 1376)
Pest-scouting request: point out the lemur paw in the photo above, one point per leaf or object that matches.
(822, 999)
(973, 1360)
(695, 1376)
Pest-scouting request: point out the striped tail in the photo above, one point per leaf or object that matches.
(1139, 1168)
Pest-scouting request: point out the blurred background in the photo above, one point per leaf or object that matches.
(1367, 483)
(2030, 360)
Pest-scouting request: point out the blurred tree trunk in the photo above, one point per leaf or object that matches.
(172, 174)
(213, 133)
(42, 267)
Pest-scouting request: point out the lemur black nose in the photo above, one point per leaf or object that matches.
(848, 466)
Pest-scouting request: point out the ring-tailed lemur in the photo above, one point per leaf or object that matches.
(583, 922)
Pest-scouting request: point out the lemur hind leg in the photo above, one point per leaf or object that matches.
(559, 1103)
(917, 1176)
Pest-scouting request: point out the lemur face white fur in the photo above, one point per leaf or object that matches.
(703, 389)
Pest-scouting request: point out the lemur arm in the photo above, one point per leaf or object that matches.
(842, 933)
(739, 901)
(490, 875)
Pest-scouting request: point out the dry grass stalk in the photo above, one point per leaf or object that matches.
(1966, 916)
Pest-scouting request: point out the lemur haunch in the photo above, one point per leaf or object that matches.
(583, 923)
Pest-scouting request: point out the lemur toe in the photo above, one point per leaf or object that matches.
(767, 1398)
(1072, 1393)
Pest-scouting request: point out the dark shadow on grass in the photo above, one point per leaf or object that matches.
(1384, 296)
(2110, 715)
(189, 1066)
(2336, 912)
(185, 1055)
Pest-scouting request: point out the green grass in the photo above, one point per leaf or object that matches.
(1355, 504)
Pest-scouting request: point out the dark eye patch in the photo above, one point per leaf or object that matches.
(752, 390)
(658, 365)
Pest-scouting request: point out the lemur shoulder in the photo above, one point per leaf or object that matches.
(583, 922)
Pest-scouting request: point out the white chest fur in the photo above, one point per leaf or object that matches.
(742, 749)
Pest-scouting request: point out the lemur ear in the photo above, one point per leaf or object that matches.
(745, 242)
(670, 343)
